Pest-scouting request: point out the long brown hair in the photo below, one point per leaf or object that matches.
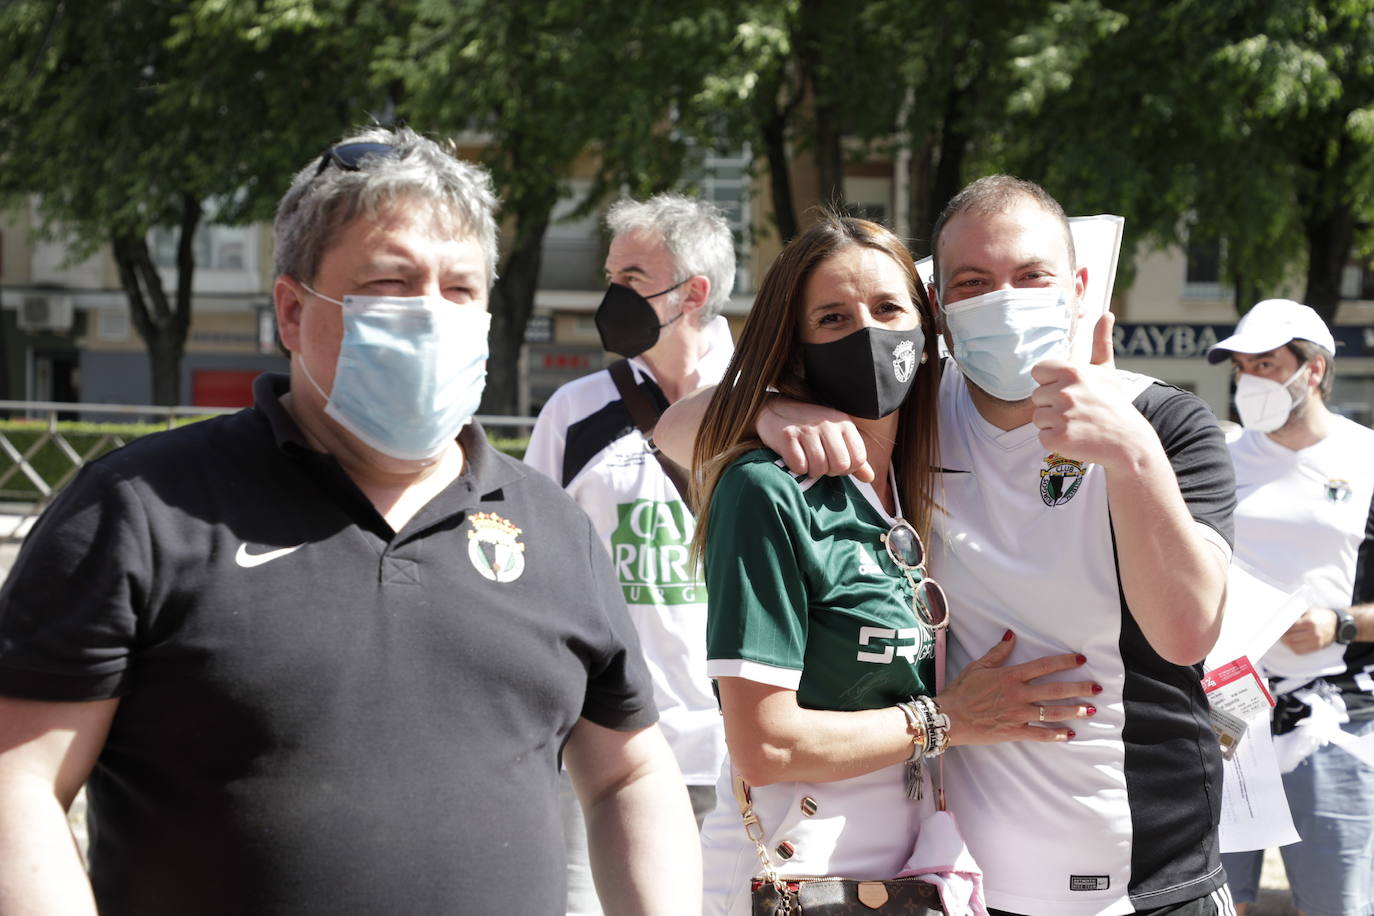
(768, 356)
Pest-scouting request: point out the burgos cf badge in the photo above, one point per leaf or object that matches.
(1060, 479)
(494, 547)
(904, 361)
(1338, 490)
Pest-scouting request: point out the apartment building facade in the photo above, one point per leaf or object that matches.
(66, 332)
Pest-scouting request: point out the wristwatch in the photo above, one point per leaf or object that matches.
(1346, 630)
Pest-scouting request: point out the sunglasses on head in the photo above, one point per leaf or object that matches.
(350, 156)
(928, 599)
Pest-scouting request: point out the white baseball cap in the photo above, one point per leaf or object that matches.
(1271, 324)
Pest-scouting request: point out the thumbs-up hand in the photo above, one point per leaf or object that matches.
(1083, 411)
(1103, 352)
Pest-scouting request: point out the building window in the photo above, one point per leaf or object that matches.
(228, 248)
(1203, 277)
(869, 198)
(1352, 396)
(723, 179)
(1357, 281)
(573, 253)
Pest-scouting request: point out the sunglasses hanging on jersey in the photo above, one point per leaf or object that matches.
(928, 599)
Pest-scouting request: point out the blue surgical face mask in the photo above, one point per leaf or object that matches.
(410, 373)
(998, 337)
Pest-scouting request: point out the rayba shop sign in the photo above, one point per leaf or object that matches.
(1192, 341)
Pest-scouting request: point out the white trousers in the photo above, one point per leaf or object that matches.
(864, 827)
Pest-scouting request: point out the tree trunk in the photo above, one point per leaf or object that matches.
(814, 20)
(4, 350)
(920, 208)
(773, 111)
(829, 159)
(937, 172)
(512, 301)
(1328, 220)
(950, 156)
(162, 325)
(1330, 230)
(774, 133)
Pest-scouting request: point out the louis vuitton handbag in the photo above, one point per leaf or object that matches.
(837, 896)
(772, 895)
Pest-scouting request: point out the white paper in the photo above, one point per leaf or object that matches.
(1097, 246)
(1254, 809)
(1362, 747)
(1257, 613)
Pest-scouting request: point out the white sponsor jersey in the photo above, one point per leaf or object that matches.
(1305, 519)
(584, 439)
(1123, 816)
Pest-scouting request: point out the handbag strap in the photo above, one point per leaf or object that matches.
(940, 636)
(645, 416)
(754, 830)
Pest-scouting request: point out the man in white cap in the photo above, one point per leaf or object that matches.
(1305, 519)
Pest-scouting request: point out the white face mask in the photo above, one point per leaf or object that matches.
(1264, 404)
(998, 337)
(410, 373)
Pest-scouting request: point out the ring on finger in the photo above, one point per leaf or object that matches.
(1042, 714)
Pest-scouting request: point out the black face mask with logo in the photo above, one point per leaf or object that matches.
(865, 374)
(627, 323)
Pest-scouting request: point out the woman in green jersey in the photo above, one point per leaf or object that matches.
(822, 623)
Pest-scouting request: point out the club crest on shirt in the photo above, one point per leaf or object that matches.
(494, 547)
(1060, 479)
(1338, 490)
(904, 361)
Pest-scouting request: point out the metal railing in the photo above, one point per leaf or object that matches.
(19, 508)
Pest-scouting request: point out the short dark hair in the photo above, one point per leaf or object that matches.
(1305, 350)
(996, 194)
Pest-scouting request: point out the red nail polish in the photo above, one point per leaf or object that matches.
(1081, 659)
(1006, 636)
(1072, 734)
(1092, 710)
(1097, 688)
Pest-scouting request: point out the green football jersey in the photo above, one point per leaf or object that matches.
(802, 593)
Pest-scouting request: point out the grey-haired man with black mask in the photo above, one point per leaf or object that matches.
(670, 267)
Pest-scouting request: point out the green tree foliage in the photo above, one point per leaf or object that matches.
(755, 95)
(1250, 122)
(963, 70)
(839, 81)
(129, 114)
(813, 78)
(541, 85)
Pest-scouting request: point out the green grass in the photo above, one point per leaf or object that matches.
(91, 440)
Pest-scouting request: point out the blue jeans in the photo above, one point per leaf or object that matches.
(1331, 872)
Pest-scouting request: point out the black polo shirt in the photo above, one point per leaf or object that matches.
(318, 715)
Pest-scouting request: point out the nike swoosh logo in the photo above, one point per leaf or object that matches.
(249, 560)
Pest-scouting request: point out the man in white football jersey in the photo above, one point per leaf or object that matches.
(1087, 510)
(1305, 519)
(670, 269)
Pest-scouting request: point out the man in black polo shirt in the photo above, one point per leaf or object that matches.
(324, 655)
